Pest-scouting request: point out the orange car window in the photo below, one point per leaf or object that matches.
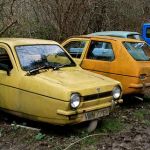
(139, 51)
(99, 50)
(75, 48)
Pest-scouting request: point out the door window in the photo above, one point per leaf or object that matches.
(4, 59)
(99, 50)
(75, 48)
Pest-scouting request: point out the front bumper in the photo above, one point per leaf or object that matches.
(93, 108)
(80, 115)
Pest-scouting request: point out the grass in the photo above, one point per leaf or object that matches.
(39, 136)
(143, 116)
(111, 125)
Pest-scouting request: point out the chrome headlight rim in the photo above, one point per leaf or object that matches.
(116, 92)
(75, 100)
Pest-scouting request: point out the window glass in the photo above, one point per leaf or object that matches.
(3, 51)
(135, 36)
(148, 32)
(34, 56)
(139, 51)
(75, 48)
(101, 51)
(4, 58)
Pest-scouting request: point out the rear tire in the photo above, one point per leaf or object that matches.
(92, 126)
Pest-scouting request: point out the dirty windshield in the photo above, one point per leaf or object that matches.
(139, 51)
(35, 56)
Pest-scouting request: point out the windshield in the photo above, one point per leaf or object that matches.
(139, 51)
(34, 56)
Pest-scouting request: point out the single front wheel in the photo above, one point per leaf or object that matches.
(92, 125)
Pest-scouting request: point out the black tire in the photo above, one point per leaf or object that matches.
(92, 126)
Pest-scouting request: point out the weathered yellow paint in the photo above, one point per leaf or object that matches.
(123, 68)
(45, 96)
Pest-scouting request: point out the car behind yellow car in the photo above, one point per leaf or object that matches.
(40, 81)
(122, 59)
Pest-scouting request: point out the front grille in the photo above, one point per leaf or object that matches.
(96, 96)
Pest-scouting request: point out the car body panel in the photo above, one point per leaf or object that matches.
(121, 68)
(45, 96)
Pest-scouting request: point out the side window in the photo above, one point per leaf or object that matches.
(75, 48)
(100, 51)
(4, 59)
(148, 32)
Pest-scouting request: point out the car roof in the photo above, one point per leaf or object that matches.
(106, 37)
(115, 33)
(25, 41)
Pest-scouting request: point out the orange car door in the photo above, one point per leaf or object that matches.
(100, 57)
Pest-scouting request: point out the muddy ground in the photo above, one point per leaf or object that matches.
(128, 128)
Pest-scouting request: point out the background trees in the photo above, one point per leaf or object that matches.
(58, 19)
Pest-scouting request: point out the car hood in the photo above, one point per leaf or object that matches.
(75, 78)
(60, 84)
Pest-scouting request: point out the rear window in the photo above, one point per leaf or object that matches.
(134, 36)
(139, 51)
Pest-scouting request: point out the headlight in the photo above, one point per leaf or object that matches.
(116, 93)
(75, 100)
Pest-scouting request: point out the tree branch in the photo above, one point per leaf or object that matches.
(7, 27)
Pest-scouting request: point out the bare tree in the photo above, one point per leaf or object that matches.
(7, 15)
(58, 19)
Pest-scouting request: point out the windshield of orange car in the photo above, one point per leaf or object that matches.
(35, 56)
(139, 51)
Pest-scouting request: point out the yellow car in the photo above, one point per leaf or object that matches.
(40, 81)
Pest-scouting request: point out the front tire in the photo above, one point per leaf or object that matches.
(92, 126)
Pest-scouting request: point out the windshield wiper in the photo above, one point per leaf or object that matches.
(37, 70)
(63, 65)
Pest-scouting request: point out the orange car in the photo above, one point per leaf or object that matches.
(126, 60)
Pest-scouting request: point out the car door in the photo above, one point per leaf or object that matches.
(102, 55)
(76, 48)
(8, 81)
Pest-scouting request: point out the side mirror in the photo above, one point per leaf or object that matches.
(5, 68)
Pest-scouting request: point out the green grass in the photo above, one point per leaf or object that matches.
(140, 115)
(147, 122)
(111, 125)
(39, 136)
